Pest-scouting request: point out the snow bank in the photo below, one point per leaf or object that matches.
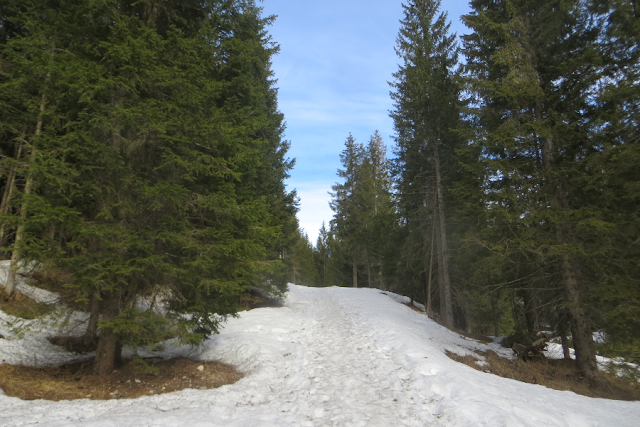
(338, 357)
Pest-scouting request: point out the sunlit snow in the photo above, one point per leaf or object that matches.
(329, 357)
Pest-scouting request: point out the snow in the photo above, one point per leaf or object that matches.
(333, 357)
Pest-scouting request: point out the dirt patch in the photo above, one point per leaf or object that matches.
(23, 306)
(256, 299)
(556, 374)
(132, 380)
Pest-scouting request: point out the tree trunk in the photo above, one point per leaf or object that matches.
(565, 345)
(369, 274)
(107, 351)
(582, 337)
(495, 313)
(530, 310)
(8, 192)
(355, 274)
(92, 328)
(428, 299)
(105, 360)
(10, 286)
(446, 307)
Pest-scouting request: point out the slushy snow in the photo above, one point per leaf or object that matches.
(329, 357)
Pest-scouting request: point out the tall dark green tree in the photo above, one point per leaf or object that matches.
(151, 160)
(364, 212)
(426, 114)
(612, 178)
(534, 67)
(346, 201)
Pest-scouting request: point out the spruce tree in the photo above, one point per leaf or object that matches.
(159, 164)
(532, 67)
(346, 202)
(426, 113)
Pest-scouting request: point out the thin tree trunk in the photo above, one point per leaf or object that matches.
(369, 274)
(446, 306)
(8, 192)
(566, 352)
(10, 286)
(530, 310)
(582, 337)
(428, 304)
(494, 314)
(355, 274)
(92, 328)
(440, 278)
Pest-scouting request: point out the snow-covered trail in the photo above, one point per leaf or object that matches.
(337, 357)
(340, 376)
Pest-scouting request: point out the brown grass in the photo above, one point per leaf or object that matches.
(253, 299)
(132, 380)
(23, 306)
(555, 374)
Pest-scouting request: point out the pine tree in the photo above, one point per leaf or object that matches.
(322, 254)
(426, 114)
(159, 164)
(346, 203)
(533, 65)
(611, 177)
(378, 210)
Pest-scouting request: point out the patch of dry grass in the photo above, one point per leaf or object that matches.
(555, 374)
(132, 380)
(253, 299)
(23, 306)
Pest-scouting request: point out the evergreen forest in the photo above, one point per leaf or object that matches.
(143, 167)
(143, 162)
(509, 203)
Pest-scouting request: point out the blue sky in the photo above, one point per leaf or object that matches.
(335, 61)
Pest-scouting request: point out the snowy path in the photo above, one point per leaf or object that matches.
(336, 357)
(343, 378)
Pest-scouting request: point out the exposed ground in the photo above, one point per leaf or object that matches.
(22, 306)
(132, 380)
(135, 378)
(556, 374)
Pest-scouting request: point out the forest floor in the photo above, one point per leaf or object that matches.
(328, 357)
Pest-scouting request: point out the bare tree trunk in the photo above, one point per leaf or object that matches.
(355, 274)
(566, 352)
(530, 310)
(107, 351)
(495, 314)
(8, 192)
(582, 337)
(428, 299)
(446, 306)
(10, 286)
(92, 328)
(369, 274)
